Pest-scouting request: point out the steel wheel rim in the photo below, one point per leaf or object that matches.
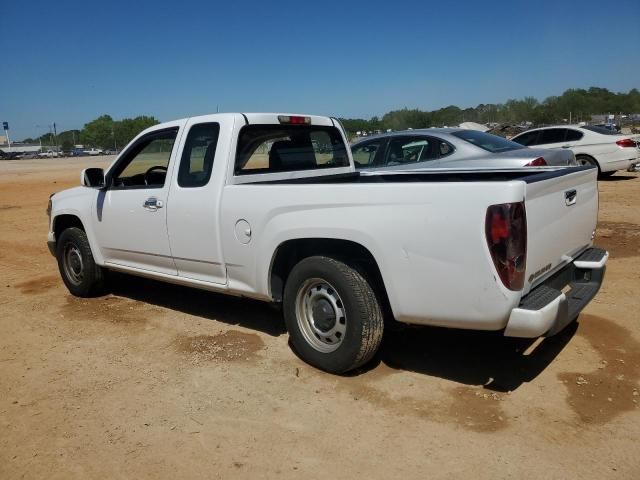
(584, 161)
(321, 315)
(73, 264)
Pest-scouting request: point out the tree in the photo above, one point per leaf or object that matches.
(578, 103)
(67, 145)
(98, 132)
(127, 129)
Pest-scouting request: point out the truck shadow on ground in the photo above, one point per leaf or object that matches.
(490, 359)
(617, 178)
(472, 358)
(244, 312)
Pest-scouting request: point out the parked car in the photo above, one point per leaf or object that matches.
(28, 155)
(110, 152)
(49, 154)
(94, 151)
(606, 149)
(450, 148)
(255, 211)
(77, 152)
(9, 155)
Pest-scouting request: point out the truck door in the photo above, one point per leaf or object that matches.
(193, 217)
(130, 215)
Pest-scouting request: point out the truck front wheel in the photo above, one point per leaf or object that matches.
(334, 319)
(80, 273)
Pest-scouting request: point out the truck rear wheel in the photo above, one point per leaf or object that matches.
(80, 273)
(334, 319)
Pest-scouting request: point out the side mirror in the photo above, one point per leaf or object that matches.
(93, 178)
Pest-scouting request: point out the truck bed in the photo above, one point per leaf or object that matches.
(531, 175)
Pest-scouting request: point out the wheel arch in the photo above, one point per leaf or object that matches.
(66, 220)
(591, 157)
(69, 218)
(290, 252)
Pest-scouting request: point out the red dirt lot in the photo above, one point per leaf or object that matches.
(159, 381)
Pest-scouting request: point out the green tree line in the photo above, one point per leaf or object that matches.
(578, 104)
(103, 132)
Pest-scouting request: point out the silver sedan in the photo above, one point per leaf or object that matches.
(450, 148)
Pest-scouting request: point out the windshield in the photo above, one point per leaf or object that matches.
(486, 141)
(601, 130)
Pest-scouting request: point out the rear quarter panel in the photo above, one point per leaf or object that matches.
(427, 239)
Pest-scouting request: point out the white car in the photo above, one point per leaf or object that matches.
(94, 151)
(601, 147)
(270, 206)
(49, 154)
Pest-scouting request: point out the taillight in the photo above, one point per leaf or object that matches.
(538, 162)
(626, 143)
(506, 232)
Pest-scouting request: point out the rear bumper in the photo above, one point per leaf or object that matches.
(546, 310)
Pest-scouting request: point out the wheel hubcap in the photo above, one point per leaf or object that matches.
(321, 315)
(73, 264)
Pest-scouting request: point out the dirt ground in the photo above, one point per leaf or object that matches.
(160, 381)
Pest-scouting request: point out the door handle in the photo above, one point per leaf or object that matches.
(152, 204)
(566, 146)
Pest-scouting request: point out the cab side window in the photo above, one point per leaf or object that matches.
(573, 135)
(198, 154)
(527, 139)
(444, 149)
(403, 150)
(364, 155)
(552, 135)
(145, 164)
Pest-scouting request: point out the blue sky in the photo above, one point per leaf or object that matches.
(71, 61)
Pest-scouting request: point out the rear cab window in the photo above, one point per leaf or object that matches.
(287, 148)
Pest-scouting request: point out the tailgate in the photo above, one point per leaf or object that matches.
(562, 212)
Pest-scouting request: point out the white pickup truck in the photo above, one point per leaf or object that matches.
(269, 206)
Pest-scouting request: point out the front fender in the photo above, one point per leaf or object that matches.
(78, 202)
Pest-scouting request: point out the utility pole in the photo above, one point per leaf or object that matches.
(113, 134)
(55, 136)
(5, 126)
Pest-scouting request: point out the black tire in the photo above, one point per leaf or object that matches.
(358, 314)
(79, 271)
(606, 174)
